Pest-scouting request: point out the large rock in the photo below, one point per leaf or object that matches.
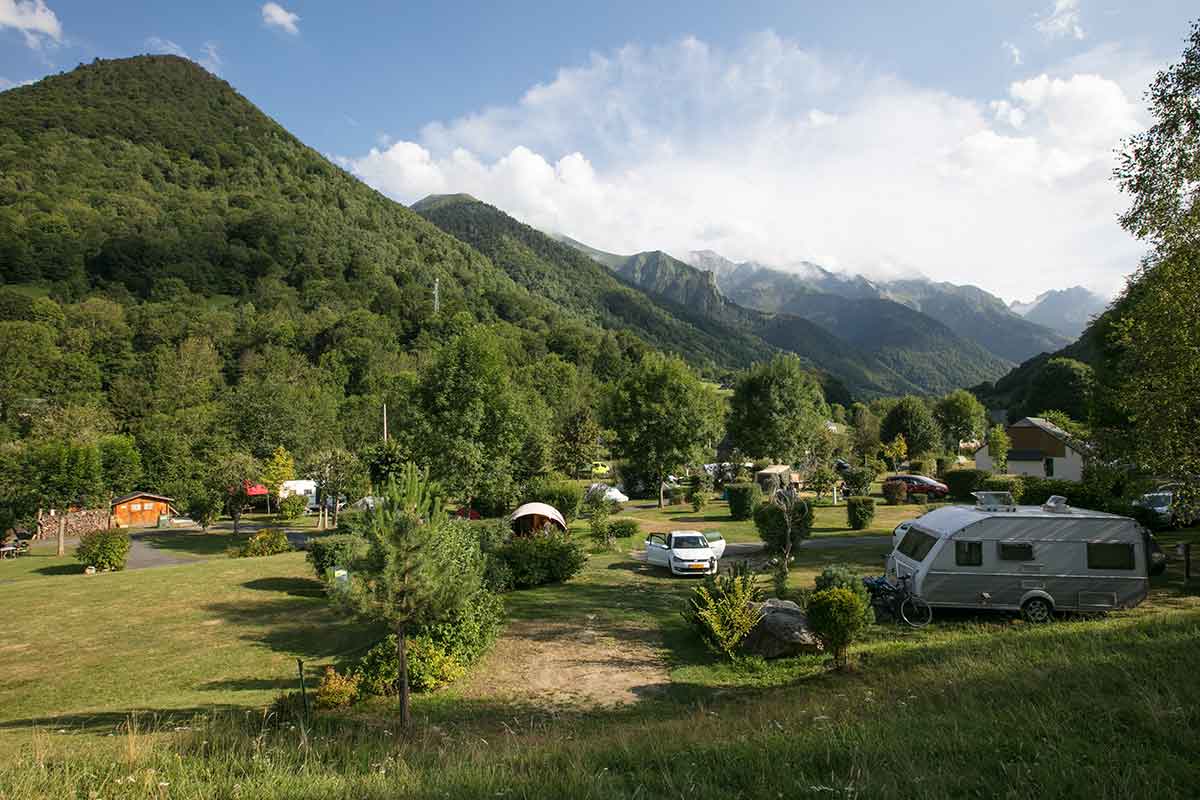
(782, 631)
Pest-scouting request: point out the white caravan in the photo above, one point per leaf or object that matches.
(1033, 559)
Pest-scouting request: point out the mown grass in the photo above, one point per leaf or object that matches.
(152, 684)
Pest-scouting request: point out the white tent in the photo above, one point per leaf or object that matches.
(531, 517)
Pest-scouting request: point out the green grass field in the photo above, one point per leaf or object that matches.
(152, 683)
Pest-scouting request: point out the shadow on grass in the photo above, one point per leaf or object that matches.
(296, 587)
(61, 569)
(298, 624)
(216, 543)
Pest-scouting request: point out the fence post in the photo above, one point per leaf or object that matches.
(303, 688)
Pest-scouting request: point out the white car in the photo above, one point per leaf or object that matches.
(899, 532)
(611, 493)
(686, 552)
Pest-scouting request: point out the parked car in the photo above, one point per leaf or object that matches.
(919, 484)
(1161, 502)
(600, 469)
(841, 465)
(611, 493)
(685, 552)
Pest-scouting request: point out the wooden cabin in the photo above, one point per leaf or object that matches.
(140, 508)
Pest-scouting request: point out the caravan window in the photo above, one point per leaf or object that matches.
(1110, 555)
(968, 554)
(1016, 551)
(916, 544)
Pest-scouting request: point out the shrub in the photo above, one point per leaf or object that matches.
(636, 482)
(267, 542)
(699, 500)
(676, 495)
(895, 492)
(293, 506)
(858, 480)
(537, 560)
(841, 576)
(772, 527)
(1037, 491)
(327, 552)
(105, 550)
(821, 480)
(565, 495)
(624, 528)
(598, 510)
(1005, 483)
(918, 498)
(836, 616)
(437, 654)
(719, 609)
(860, 512)
(744, 498)
(962, 482)
(336, 690)
(943, 465)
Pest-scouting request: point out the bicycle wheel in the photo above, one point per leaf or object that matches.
(916, 612)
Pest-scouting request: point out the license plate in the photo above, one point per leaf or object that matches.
(697, 566)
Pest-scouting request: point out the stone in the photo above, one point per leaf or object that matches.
(783, 631)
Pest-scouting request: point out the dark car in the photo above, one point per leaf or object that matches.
(841, 465)
(919, 484)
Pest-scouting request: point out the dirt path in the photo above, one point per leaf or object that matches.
(555, 663)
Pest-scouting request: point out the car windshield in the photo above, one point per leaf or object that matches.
(1156, 499)
(916, 544)
(689, 542)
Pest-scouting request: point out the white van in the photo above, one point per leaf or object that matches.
(1033, 559)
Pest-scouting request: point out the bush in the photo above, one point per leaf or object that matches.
(699, 501)
(918, 498)
(565, 495)
(624, 528)
(744, 499)
(821, 480)
(943, 465)
(1037, 491)
(841, 576)
(105, 550)
(963, 482)
(598, 510)
(327, 552)
(858, 480)
(895, 492)
(437, 654)
(836, 616)
(860, 512)
(676, 495)
(537, 560)
(293, 506)
(719, 609)
(772, 527)
(336, 690)
(1005, 483)
(635, 482)
(267, 542)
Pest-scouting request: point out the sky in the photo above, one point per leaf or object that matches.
(966, 142)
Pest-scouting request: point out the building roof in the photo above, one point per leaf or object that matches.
(136, 495)
(541, 510)
(1026, 455)
(1052, 429)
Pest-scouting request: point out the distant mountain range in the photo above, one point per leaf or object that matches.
(1068, 311)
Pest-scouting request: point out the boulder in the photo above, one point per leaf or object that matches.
(782, 631)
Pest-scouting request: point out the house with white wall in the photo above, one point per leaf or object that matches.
(1039, 448)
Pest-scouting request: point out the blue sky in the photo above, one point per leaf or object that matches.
(778, 131)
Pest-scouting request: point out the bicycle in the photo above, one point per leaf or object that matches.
(898, 601)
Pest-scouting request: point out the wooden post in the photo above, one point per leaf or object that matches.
(402, 663)
(62, 534)
(303, 688)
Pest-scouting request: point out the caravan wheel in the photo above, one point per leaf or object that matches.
(1038, 610)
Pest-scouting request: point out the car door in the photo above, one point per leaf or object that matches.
(657, 551)
(717, 542)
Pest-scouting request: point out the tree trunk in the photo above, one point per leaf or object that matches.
(402, 660)
(662, 486)
(237, 519)
(62, 534)
(335, 511)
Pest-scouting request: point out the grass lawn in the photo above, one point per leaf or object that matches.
(973, 706)
(40, 562)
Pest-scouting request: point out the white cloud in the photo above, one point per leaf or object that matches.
(33, 18)
(276, 16)
(1064, 20)
(773, 153)
(210, 58)
(1013, 51)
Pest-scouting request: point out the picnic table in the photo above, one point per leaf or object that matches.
(8, 551)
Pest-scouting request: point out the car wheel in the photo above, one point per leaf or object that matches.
(1037, 610)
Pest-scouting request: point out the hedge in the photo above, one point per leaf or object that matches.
(963, 482)
(1014, 484)
(327, 552)
(744, 499)
(566, 496)
(860, 512)
(624, 528)
(105, 549)
(536, 560)
(895, 492)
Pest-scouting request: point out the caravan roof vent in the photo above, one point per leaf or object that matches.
(1056, 504)
(994, 501)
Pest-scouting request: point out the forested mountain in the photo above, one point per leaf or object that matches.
(1068, 311)
(971, 313)
(869, 343)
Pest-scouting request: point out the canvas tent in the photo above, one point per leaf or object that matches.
(532, 518)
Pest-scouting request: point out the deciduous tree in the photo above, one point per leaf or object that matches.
(777, 410)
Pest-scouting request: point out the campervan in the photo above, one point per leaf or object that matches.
(1033, 559)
